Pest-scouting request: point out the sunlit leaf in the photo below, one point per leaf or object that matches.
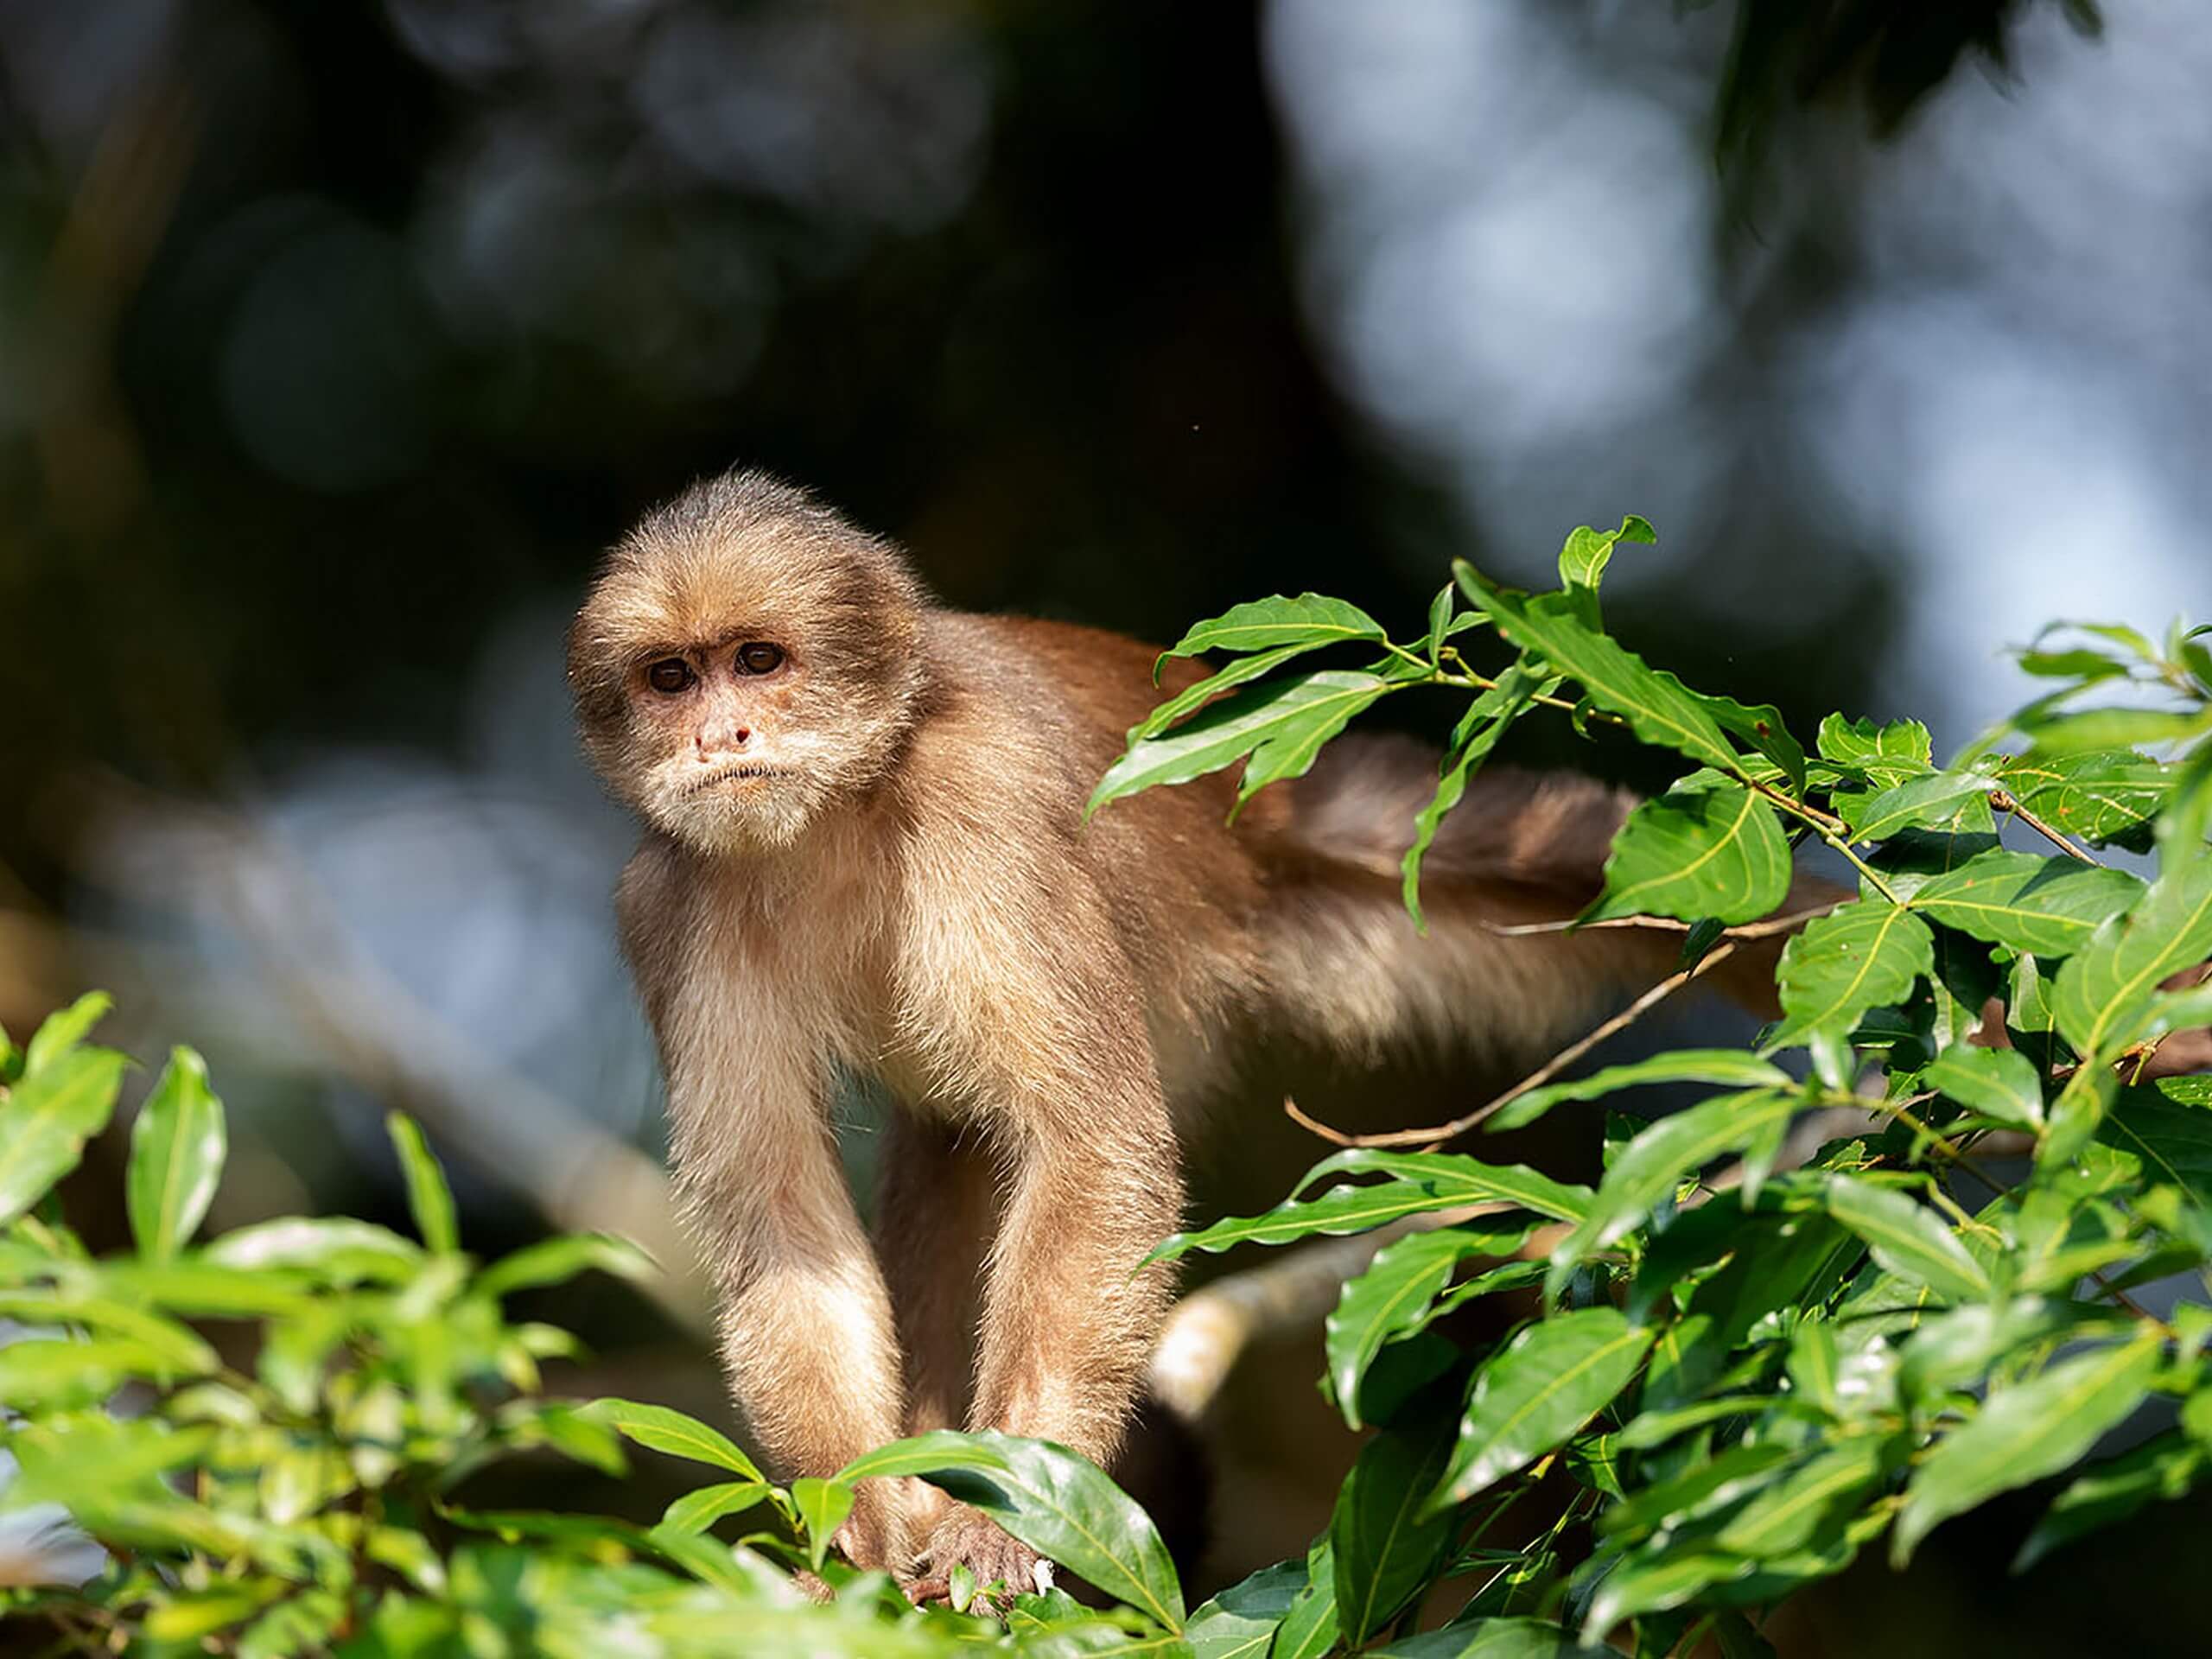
(1583, 560)
(697, 1511)
(334, 1250)
(1906, 1237)
(2101, 795)
(429, 1199)
(1998, 1083)
(64, 1029)
(2048, 906)
(2025, 1432)
(1706, 848)
(659, 1429)
(1391, 1298)
(2105, 986)
(821, 1506)
(58, 1105)
(1648, 1169)
(1915, 803)
(1537, 1390)
(177, 1156)
(1466, 1180)
(1657, 707)
(1887, 755)
(555, 1261)
(1724, 1065)
(1281, 726)
(1864, 955)
(1307, 620)
(1062, 1507)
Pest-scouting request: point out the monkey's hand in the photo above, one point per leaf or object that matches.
(966, 1538)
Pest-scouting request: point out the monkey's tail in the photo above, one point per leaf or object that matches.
(1497, 978)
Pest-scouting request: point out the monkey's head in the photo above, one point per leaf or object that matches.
(745, 659)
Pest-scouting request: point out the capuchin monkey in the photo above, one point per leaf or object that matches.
(865, 854)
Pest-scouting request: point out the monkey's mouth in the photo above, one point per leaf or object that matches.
(741, 770)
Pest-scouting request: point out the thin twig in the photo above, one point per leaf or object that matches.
(1760, 930)
(1429, 1139)
(2005, 801)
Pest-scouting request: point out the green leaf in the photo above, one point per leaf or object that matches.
(2106, 987)
(64, 1029)
(1887, 755)
(1705, 1485)
(1653, 1580)
(1998, 1083)
(1243, 671)
(1955, 1349)
(1788, 1514)
(1657, 707)
(1424, 1181)
(822, 1506)
(1502, 703)
(1307, 621)
(1392, 1297)
(77, 1301)
(67, 1455)
(1583, 560)
(1309, 1628)
(1281, 727)
(1490, 1638)
(1723, 1065)
(1537, 1390)
(2101, 795)
(429, 1197)
(1050, 1499)
(697, 1511)
(2056, 733)
(1383, 1547)
(45, 1376)
(1650, 1167)
(58, 1105)
(2160, 1124)
(1241, 1621)
(334, 1250)
(658, 1429)
(2029, 1430)
(1706, 848)
(1462, 1178)
(555, 1261)
(177, 1156)
(1910, 804)
(2047, 905)
(1906, 1238)
(1340, 1210)
(1866, 955)
(2166, 1467)
(1761, 726)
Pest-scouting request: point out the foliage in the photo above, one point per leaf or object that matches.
(310, 1498)
(1736, 1372)
(1737, 1377)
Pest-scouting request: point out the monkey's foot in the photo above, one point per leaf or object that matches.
(967, 1539)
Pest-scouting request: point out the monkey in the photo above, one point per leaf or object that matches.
(864, 853)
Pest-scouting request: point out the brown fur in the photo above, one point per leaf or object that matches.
(909, 891)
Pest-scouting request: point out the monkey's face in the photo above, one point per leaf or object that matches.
(741, 668)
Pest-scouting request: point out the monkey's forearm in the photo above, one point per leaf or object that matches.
(1068, 1323)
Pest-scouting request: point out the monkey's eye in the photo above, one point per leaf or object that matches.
(668, 675)
(760, 658)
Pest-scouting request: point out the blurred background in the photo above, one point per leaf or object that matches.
(336, 338)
